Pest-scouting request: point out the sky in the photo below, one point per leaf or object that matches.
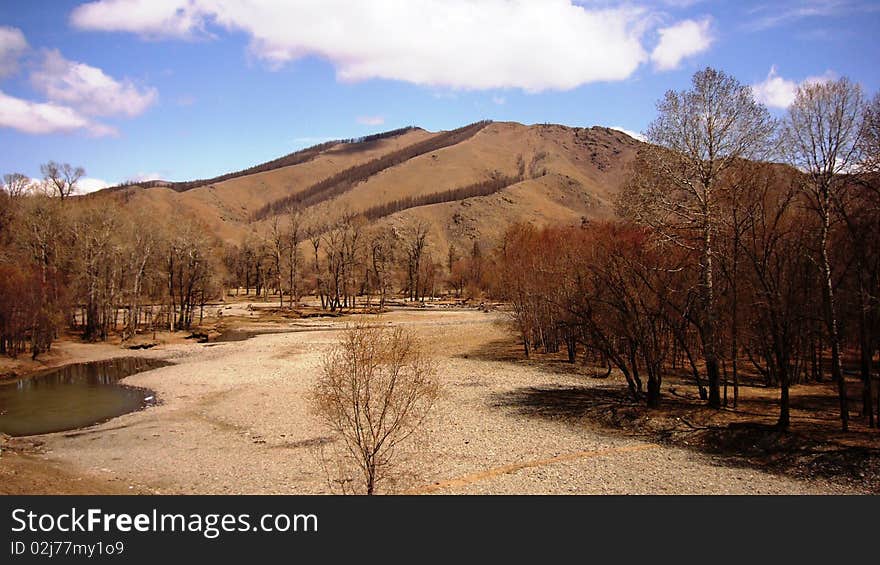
(187, 89)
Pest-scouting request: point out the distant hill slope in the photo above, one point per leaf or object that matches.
(469, 184)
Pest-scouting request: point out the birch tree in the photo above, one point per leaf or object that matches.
(822, 139)
(698, 135)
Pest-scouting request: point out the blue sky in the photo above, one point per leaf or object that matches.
(183, 89)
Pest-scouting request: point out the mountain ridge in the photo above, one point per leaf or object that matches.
(468, 183)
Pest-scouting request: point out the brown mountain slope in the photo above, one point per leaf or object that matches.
(226, 207)
(559, 174)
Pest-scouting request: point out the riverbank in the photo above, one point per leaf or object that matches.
(234, 418)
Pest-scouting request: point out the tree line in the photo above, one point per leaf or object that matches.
(295, 158)
(337, 262)
(345, 180)
(94, 266)
(487, 187)
(743, 241)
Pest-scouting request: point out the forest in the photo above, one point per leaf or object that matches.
(742, 243)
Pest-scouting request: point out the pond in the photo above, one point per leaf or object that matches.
(73, 396)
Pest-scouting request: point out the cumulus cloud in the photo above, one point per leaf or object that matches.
(778, 92)
(12, 47)
(442, 43)
(371, 120)
(90, 184)
(89, 89)
(46, 117)
(680, 41)
(629, 132)
(153, 18)
(75, 93)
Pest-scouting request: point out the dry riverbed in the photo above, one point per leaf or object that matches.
(233, 418)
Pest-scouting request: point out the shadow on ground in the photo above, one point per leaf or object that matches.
(746, 437)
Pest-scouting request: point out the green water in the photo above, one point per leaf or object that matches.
(73, 396)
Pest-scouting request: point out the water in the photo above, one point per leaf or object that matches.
(73, 396)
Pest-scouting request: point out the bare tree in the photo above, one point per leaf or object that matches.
(375, 390)
(351, 242)
(822, 134)
(16, 185)
(97, 264)
(277, 245)
(415, 242)
(313, 234)
(61, 178)
(141, 244)
(293, 236)
(697, 136)
(382, 252)
(189, 269)
(869, 142)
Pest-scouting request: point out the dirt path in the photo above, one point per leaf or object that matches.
(234, 418)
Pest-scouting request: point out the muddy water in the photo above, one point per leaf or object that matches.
(73, 396)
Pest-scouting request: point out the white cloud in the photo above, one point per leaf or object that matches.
(780, 13)
(370, 120)
(75, 93)
(499, 100)
(89, 184)
(153, 18)
(778, 92)
(143, 177)
(629, 132)
(680, 41)
(88, 89)
(12, 47)
(535, 46)
(46, 117)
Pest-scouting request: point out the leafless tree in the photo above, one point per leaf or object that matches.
(415, 241)
(697, 136)
(97, 262)
(189, 271)
(61, 178)
(351, 243)
(16, 185)
(313, 234)
(293, 236)
(277, 245)
(869, 143)
(383, 246)
(822, 134)
(141, 243)
(375, 389)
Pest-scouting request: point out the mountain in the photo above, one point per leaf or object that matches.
(468, 184)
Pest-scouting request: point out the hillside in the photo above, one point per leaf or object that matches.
(468, 184)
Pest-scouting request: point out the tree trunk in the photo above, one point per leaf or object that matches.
(865, 351)
(653, 390)
(831, 321)
(784, 404)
